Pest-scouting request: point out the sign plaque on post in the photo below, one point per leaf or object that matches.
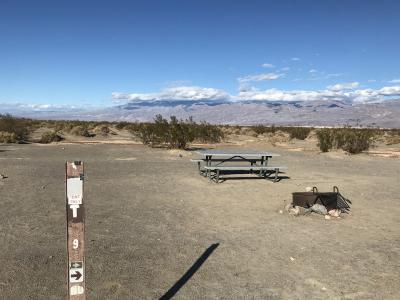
(75, 231)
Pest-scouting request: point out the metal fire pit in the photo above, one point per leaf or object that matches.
(331, 200)
(305, 199)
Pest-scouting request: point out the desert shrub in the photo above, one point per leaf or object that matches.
(90, 125)
(180, 133)
(102, 129)
(49, 137)
(72, 127)
(356, 140)
(134, 128)
(236, 129)
(207, 133)
(338, 137)
(324, 140)
(146, 135)
(394, 132)
(81, 130)
(160, 129)
(271, 129)
(177, 133)
(8, 137)
(300, 133)
(18, 127)
(230, 129)
(60, 126)
(122, 125)
(64, 126)
(392, 137)
(154, 133)
(261, 129)
(351, 140)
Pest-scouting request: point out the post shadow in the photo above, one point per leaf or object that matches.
(189, 273)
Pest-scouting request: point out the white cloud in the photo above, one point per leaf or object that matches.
(17, 107)
(353, 96)
(341, 92)
(193, 93)
(268, 66)
(371, 80)
(343, 86)
(285, 69)
(371, 95)
(313, 71)
(366, 96)
(282, 95)
(187, 93)
(390, 91)
(38, 107)
(295, 58)
(260, 77)
(46, 106)
(394, 81)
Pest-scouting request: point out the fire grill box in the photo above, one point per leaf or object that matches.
(305, 199)
(331, 200)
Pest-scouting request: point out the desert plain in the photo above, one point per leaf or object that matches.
(150, 217)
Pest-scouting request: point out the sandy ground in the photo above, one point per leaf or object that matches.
(150, 217)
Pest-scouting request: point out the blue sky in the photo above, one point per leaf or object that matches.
(91, 52)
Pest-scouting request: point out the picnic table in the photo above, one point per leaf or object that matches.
(217, 160)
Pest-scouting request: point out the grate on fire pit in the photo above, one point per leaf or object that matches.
(331, 200)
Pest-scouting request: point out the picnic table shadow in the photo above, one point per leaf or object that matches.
(189, 273)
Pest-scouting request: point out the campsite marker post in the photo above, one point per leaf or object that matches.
(75, 230)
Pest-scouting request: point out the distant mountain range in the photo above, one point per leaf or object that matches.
(315, 113)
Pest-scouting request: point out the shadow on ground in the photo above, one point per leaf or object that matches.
(189, 273)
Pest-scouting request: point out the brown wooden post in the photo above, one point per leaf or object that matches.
(75, 231)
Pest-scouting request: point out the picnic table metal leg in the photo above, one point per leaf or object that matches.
(198, 166)
(266, 163)
(262, 173)
(208, 172)
(217, 176)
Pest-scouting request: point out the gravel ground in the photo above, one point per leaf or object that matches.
(150, 217)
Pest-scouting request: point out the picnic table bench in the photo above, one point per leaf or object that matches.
(215, 161)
